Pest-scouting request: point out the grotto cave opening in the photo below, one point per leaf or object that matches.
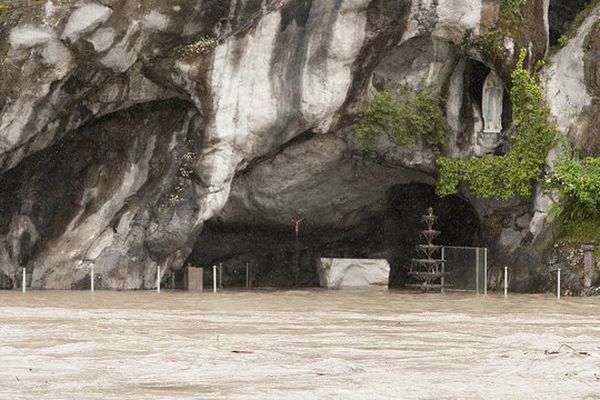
(457, 221)
(277, 258)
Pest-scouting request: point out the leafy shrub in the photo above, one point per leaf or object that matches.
(578, 187)
(408, 119)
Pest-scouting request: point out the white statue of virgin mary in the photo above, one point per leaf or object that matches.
(491, 107)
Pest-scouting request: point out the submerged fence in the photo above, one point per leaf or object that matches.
(467, 267)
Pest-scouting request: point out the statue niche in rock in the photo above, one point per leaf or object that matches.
(491, 109)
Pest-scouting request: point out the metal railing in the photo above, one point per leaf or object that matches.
(467, 267)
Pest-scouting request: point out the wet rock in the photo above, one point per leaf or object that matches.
(103, 191)
(85, 19)
(523, 221)
(560, 15)
(510, 238)
(592, 291)
(565, 83)
(571, 262)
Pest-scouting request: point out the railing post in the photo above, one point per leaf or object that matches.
(443, 280)
(485, 277)
(477, 270)
(92, 278)
(558, 283)
(24, 285)
(214, 279)
(158, 279)
(505, 282)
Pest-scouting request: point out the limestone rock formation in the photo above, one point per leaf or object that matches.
(133, 134)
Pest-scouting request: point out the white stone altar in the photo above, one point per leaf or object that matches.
(353, 273)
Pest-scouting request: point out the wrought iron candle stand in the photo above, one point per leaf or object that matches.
(429, 271)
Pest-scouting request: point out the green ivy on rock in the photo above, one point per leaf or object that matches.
(577, 184)
(513, 174)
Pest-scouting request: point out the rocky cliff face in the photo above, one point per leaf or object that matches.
(127, 126)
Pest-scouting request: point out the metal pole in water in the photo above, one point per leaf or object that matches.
(477, 270)
(505, 281)
(443, 280)
(485, 252)
(214, 279)
(158, 279)
(558, 284)
(92, 278)
(24, 280)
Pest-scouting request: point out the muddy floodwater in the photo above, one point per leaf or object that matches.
(297, 345)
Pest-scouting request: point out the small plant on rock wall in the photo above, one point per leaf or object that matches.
(510, 8)
(202, 46)
(408, 118)
(183, 175)
(562, 40)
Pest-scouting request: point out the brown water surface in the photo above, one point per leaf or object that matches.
(297, 344)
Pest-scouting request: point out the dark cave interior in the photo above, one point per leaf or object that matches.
(276, 258)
